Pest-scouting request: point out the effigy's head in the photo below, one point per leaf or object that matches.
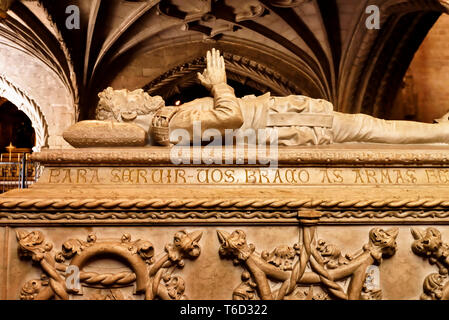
(125, 105)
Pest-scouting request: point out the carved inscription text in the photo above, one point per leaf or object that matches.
(247, 176)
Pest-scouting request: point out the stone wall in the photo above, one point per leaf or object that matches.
(429, 76)
(42, 85)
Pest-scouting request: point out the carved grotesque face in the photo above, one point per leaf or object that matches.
(234, 245)
(145, 249)
(385, 240)
(30, 289)
(236, 241)
(31, 244)
(188, 243)
(282, 257)
(433, 285)
(185, 245)
(328, 250)
(426, 243)
(176, 287)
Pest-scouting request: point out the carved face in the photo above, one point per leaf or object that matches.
(385, 240)
(281, 257)
(32, 244)
(31, 239)
(176, 287)
(145, 249)
(433, 285)
(187, 243)
(30, 289)
(426, 243)
(235, 245)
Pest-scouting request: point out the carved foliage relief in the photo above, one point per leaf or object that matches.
(297, 271)
(155, 278)
(429, 245)
(313, 268)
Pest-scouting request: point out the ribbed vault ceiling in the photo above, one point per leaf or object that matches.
(320, 48)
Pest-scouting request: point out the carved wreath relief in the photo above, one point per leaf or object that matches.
(154, 279)
(309, 264)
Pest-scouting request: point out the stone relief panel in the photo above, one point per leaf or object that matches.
(310, 262)
(271, 262)
(63, 272)
(429, 245)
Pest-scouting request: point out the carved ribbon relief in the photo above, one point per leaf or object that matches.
(153, 278)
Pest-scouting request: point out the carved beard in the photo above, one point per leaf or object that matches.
(129, 115)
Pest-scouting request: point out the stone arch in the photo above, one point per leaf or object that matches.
(28, 106)
(238, 68)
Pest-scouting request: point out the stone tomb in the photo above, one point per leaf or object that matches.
(330, 222)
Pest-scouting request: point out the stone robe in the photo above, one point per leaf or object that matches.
(317, 125)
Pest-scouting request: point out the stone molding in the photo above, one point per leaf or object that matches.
(348, 155)
(246, 203)
(255, 217)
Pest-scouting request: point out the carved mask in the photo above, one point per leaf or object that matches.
(385, 240)
(427, 243)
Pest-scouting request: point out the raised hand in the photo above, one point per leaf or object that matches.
(215, 73)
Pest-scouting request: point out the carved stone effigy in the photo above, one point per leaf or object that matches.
(330, 222)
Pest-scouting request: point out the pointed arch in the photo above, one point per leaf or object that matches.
(28, 106)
